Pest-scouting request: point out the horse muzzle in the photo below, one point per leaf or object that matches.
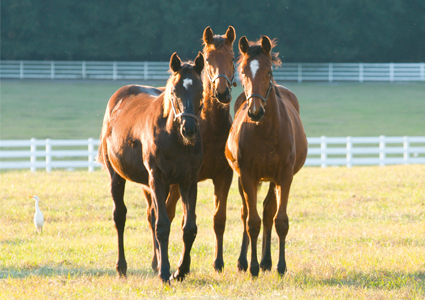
(256, 110)
(224, 97)
(189, 128)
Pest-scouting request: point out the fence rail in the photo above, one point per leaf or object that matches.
(323, 151)
(360, 72)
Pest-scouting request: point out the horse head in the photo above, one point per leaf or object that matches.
(220, 63)
(184, 90)
(256, 70)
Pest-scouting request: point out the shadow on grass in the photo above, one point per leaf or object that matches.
(380, 279)
(68, 271)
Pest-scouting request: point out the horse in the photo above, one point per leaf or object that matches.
(152, 137)
(215, 122)
(267, 142)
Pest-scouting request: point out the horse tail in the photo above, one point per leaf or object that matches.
(101, 152)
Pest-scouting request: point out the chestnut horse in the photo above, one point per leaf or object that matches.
(215, 122)
(266, 143)
(153, 138)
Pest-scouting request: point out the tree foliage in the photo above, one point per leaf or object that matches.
(307, 30)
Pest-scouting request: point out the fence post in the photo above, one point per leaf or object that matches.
(52, 70)
(300, 73)
(48, 156)
(114, 70)
(21, 69)
(349, 153)
(33, 154)
(83, 69)
(422, 68)
(361, 74)
(391, 72)
(91, 157)
(382, 150)
(145, 70)
(331, 75)
(406, 150)
(323, 155)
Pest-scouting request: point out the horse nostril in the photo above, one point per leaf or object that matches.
(224, 97)
(256, 115)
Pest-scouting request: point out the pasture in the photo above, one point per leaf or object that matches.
(75, 109)
(354, 233)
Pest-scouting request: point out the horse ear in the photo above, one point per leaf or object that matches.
(199, 63)
(175, 62)
(208, 35)
(243, 44)
(230, 34)
(266, 44)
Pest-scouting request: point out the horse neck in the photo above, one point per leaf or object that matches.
(272, 110)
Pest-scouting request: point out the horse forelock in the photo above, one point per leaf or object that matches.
(219, 42)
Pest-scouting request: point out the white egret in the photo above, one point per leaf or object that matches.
(38, 216)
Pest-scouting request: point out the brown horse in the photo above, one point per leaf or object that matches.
(266, 143)
(215, 122)
(152, 138)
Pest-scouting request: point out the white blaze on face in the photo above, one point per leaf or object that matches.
(254, 67)
(187, 82)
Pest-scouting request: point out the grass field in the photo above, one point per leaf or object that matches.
(75, 109)
(354, 234)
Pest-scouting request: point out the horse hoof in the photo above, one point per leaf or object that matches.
(281, 269)
(254, 270)
(177, 276)
(121, 269)
(242, 265)
(266, 266)
(218, 266)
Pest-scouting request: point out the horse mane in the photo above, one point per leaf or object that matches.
(255, 49)
(174, 78)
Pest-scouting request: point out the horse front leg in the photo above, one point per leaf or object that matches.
(119, 216)
(281, 219)
(269, 211)
(188, 191)
(162, 225)
(222, 185)
(242, 261)
(253, 222)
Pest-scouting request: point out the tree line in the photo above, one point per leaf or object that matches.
(140, 30)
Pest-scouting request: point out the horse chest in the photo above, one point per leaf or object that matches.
(175, 161)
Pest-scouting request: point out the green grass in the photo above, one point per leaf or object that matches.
(75, 109)
(354, 234)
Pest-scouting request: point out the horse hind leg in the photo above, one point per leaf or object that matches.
(221, 191)
(150, 214)
(242, 263)
(281, 219)
(269, 211)
(172, 199)
(119, 216)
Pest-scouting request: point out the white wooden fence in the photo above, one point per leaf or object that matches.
(360, 72)
(323, 151)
